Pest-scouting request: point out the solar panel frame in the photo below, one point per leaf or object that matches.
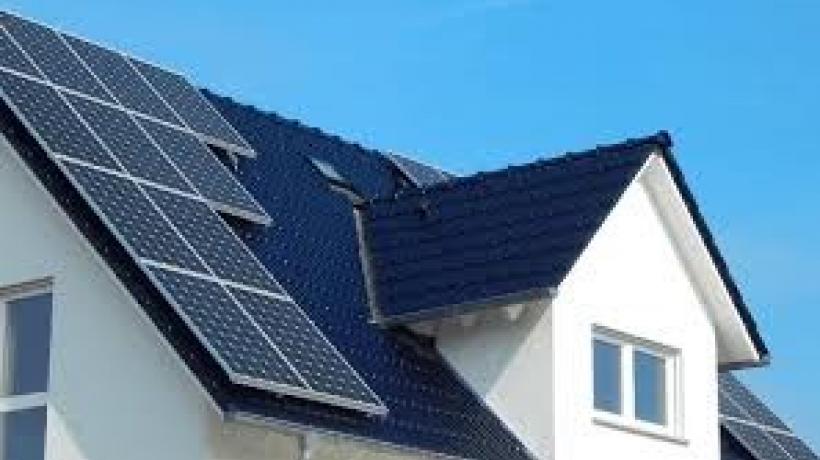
(150, 71)
(116, 73)
(52, 56)
(129, 144)
(208, 175)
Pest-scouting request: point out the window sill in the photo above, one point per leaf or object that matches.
(626, 426)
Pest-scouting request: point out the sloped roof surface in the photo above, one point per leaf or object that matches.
(312, 246)
(493, 234)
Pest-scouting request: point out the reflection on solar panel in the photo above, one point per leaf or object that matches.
(126, 141)
(419, 174)
(209, 176)
(51, 118)
(120, 77)
(51, 55)
(756, 427)
(192, 107)
(156, 187)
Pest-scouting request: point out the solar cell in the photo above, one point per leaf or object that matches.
(208, 175)
(189, 103)
(120, 77)
(225, 329)
(759, 443)
(53, 56)
(52, 120)
(749, 402)
(126, 141)
(304, 345)
(794, 446)
(12, 58)
(728, 408)
(214, 241)
(133, 217)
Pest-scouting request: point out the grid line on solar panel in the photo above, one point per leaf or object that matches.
(53, 57)
(795, 447)
(133, 217)
(211, 178)
(243, 350)
(758, 442)
(129, 144)
(214, 241)
(13, 58)
(307, 349)
(192, 106)
(121, 79)
(749, 402)
(52, 120)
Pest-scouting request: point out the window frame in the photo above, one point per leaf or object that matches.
(628, 344)
(9, 294)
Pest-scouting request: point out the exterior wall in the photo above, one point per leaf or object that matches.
(117, 391)
(631, 279)
(536, 373)
(509, 364)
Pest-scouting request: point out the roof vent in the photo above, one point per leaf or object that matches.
(336, 181)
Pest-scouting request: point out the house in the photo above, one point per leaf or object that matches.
(186, 277)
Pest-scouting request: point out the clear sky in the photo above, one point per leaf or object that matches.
(477, 85)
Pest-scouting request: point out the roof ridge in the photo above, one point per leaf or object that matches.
(661, 139)
(276, 117)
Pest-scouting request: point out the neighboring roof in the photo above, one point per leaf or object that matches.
(751, 431)
(479, 240)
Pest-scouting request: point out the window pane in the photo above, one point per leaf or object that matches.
(23, 434)
(607, 376)
(28, 337)
(650, 388)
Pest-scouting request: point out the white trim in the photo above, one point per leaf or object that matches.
(22, 402)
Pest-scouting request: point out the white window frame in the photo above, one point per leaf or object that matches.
(9, 294)
(628, 344)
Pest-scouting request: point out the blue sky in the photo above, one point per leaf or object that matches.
(477, 85)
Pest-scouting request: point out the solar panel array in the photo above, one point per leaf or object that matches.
(759, 430)
(129, 135)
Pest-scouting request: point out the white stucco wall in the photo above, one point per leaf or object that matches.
(630, 279)
(537, 372)
(117, 391)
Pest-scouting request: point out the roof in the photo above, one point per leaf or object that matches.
(428, 249)
(751, 431)
(472, 239)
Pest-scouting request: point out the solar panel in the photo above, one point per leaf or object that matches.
(12, 58)
(120, 77)
(51, 55)
(749, 402)
(214, 241)
(209, 176)
(134, 217)
(760, 431)
(419, 174)
(756, 441)
(305, 347)
(53, 121)
(126, 141)
(189, 103)
(794, 446)
(230, 334)
(156, 187)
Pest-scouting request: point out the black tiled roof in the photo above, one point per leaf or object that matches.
(463, 242)
(312, 247)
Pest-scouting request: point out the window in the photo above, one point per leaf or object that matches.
(25, 335)
(634, 382)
